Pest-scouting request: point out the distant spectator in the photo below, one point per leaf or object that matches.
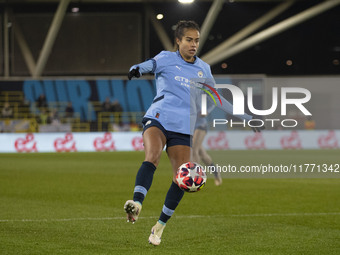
(107, 106)
(43, 117)
(106, 118)
(116, 107)
(7, 111)
(25, 103)
(69, 112)
(53, 117)
(41, 102)
(134, 126)
(309, 123)
(121, 127)
(117, 110)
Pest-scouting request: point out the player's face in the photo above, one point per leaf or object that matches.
(189, 44)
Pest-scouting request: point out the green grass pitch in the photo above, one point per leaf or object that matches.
(72, 203)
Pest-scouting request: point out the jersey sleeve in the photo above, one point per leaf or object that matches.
(161, 61)
(145, 67)
(153, 65)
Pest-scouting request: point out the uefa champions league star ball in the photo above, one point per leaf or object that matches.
(191, 177)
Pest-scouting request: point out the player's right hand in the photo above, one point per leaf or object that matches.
(134, 73)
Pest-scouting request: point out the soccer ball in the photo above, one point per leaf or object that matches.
(191, 177)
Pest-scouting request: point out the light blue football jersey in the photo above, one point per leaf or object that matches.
(171, 105)
(179, 88)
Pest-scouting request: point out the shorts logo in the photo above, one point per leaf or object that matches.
(200, 74)
(148, 122)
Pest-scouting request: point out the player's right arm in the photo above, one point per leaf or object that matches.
(139, 69)
(152, 65)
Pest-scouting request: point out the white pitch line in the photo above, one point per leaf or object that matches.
(285, 214)
(175, 216)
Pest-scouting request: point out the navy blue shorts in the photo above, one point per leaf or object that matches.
(172, 138)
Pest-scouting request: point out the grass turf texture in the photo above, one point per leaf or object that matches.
(72, 203)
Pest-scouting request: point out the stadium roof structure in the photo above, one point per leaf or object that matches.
(246, 37)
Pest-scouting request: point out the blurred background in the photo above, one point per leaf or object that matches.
(63, 63)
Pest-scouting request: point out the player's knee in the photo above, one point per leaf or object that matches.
(153, 158)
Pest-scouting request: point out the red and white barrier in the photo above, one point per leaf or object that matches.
(70, 142)
(242, 140)
(132, 141)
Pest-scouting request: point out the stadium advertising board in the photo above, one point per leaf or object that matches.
(132, 141)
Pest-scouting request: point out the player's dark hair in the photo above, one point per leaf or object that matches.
(182, 26)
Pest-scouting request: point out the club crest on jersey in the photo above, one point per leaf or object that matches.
(200, 74)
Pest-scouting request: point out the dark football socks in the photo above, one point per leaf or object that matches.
(172, 199)
(143, 181)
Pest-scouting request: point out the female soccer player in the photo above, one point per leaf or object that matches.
(167, 121)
